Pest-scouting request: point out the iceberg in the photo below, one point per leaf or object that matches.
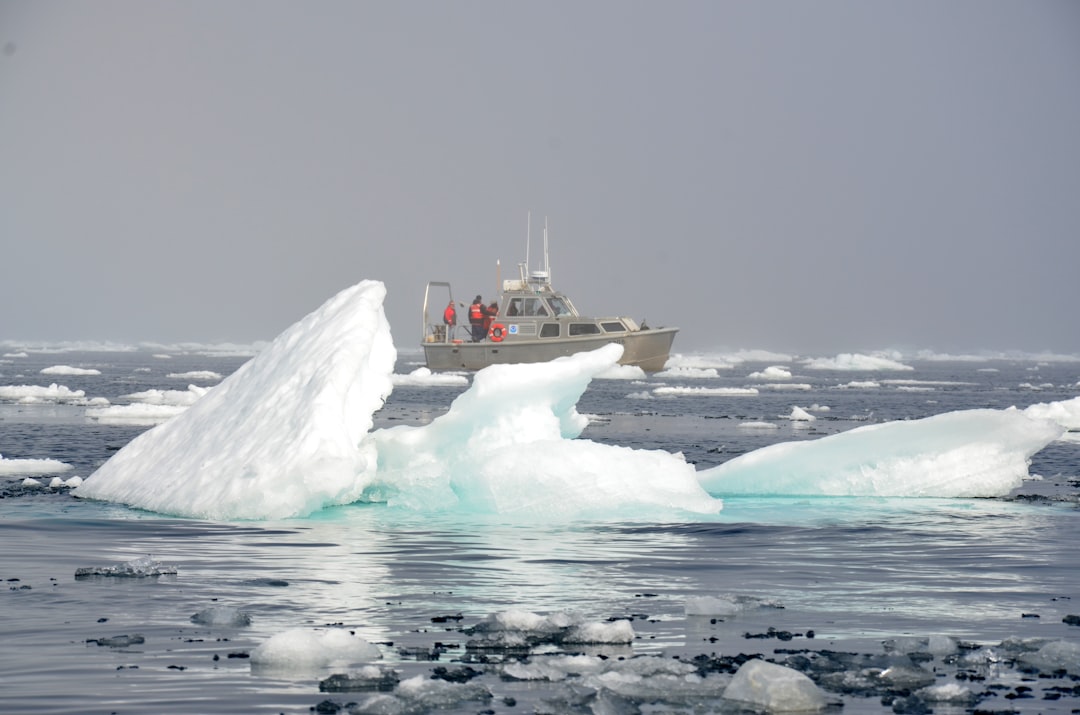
(291, 433)
(968, 453)
(283, 436)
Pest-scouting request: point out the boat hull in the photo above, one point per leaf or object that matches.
(648, 349)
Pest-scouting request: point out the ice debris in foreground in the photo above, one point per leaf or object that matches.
(307, 650)
(774, 687)
(136, 568)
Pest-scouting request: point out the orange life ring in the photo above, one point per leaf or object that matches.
(496, 333)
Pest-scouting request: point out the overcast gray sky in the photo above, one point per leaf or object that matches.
(799, 176)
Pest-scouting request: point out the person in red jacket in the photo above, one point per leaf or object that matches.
(489, 315)
(476, 319)
(449, 319)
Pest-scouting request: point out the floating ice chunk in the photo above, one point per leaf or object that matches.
(711, 606)
(422, 376)
(32, 466)
(553, 668)
(706, 391)
(306, 649)
(507, 446)
(674, 688)
(1065, 413)
(516, 628)
(861, 385)
(775, 688)
(798, 414)
(222, 616)
(182, 398)
(949, 693)
(773, 372)
(1056, 655)
(285, 435)
(969, 453)
(367, 677)
(69, 370)
(622, 372)
(141, 567)
(31, 482)
(856, 362)
(818, 408)
(789, 386)
(203, 375)
(420, 694)
(758, 425)
(38, 393)
(137, 414)
(692, 373)
(727, 605)
(73, 482)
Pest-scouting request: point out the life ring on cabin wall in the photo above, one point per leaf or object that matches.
(497, 333)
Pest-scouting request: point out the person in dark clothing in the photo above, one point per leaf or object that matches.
(476, 319)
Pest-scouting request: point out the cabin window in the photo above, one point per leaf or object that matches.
(514, 308)
(613, 326)
(559, 306)
(549, 330)
(584, 329)
(533, 306)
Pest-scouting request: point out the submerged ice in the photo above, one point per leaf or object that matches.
(290, 433)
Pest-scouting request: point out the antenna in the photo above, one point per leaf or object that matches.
(547, 264)
(528, 235)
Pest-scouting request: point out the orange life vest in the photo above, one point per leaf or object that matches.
(476, 313)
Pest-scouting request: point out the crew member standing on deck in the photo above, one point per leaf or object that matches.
(449, 319)
(489, 315)
(476, 319)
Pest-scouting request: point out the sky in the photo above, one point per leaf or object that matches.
(806, 177)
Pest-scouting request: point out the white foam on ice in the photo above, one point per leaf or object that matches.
(968, 453)
(1065, 413)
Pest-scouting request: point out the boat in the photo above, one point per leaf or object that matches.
(534, 323)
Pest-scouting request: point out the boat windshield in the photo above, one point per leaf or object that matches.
(526, 307)
(560, 306)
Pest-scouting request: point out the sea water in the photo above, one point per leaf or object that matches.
(851, 575)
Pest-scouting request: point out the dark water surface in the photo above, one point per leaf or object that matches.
(849, 573)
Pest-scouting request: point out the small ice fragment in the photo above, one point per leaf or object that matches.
(136, 568)
(222, 616)
(774, 687)
(302, 648)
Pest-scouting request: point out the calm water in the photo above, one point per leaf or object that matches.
(854, 572)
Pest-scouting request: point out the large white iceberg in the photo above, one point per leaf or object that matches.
(290, 433)
(283, 436)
